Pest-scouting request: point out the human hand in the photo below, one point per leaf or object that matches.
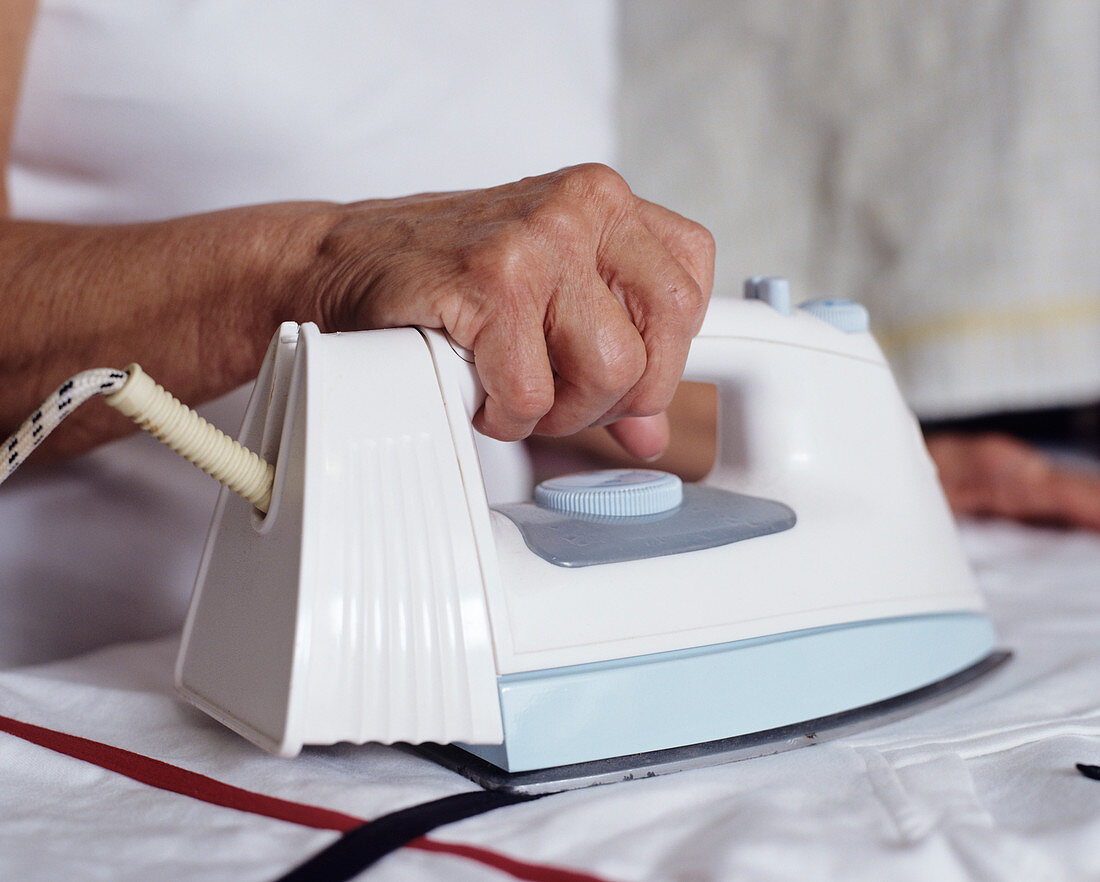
(996, 475)
(578, 299)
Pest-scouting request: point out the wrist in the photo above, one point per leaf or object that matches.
(274, 251)
(338, 258)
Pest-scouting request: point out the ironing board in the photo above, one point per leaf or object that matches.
(984, 787)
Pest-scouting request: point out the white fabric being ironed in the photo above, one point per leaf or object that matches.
(981, 788)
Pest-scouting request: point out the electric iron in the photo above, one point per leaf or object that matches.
(621, 623)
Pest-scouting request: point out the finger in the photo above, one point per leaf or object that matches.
(514, 369)
(690, 243)
(643, 437)
(596, 352)
(1074, 498)
(995, 475)
(666, 305)
(981, 475)
(1049, 493)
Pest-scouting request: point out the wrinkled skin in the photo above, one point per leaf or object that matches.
(578, 299)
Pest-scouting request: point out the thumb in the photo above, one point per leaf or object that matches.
(644, 437)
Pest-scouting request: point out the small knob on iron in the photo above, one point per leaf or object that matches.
(612, 492)
(773, 290)
(846, 315)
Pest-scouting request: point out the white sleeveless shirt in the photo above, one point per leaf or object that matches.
(133, 110)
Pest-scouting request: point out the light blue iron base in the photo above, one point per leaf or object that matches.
(595, 711)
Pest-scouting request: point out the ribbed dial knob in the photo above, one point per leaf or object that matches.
(612, 492)
(846, 315)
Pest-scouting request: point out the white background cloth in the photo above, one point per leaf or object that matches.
(981, 788)
(937, 161)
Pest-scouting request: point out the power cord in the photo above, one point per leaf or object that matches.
(135, 394)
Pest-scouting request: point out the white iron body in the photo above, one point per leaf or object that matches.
(381, 599)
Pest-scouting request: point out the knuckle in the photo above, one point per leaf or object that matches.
(526, 402)
(684, 299)
(594, 180)
(500, 262)
(582, 200)
(700, 240)
(561, 223)
(620, 365)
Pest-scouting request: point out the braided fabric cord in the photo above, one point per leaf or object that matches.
(64, 400)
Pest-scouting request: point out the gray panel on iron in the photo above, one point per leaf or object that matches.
(707, 517)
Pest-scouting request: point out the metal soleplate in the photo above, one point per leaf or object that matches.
(711, 753)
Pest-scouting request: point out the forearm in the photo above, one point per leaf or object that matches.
(194, 300)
